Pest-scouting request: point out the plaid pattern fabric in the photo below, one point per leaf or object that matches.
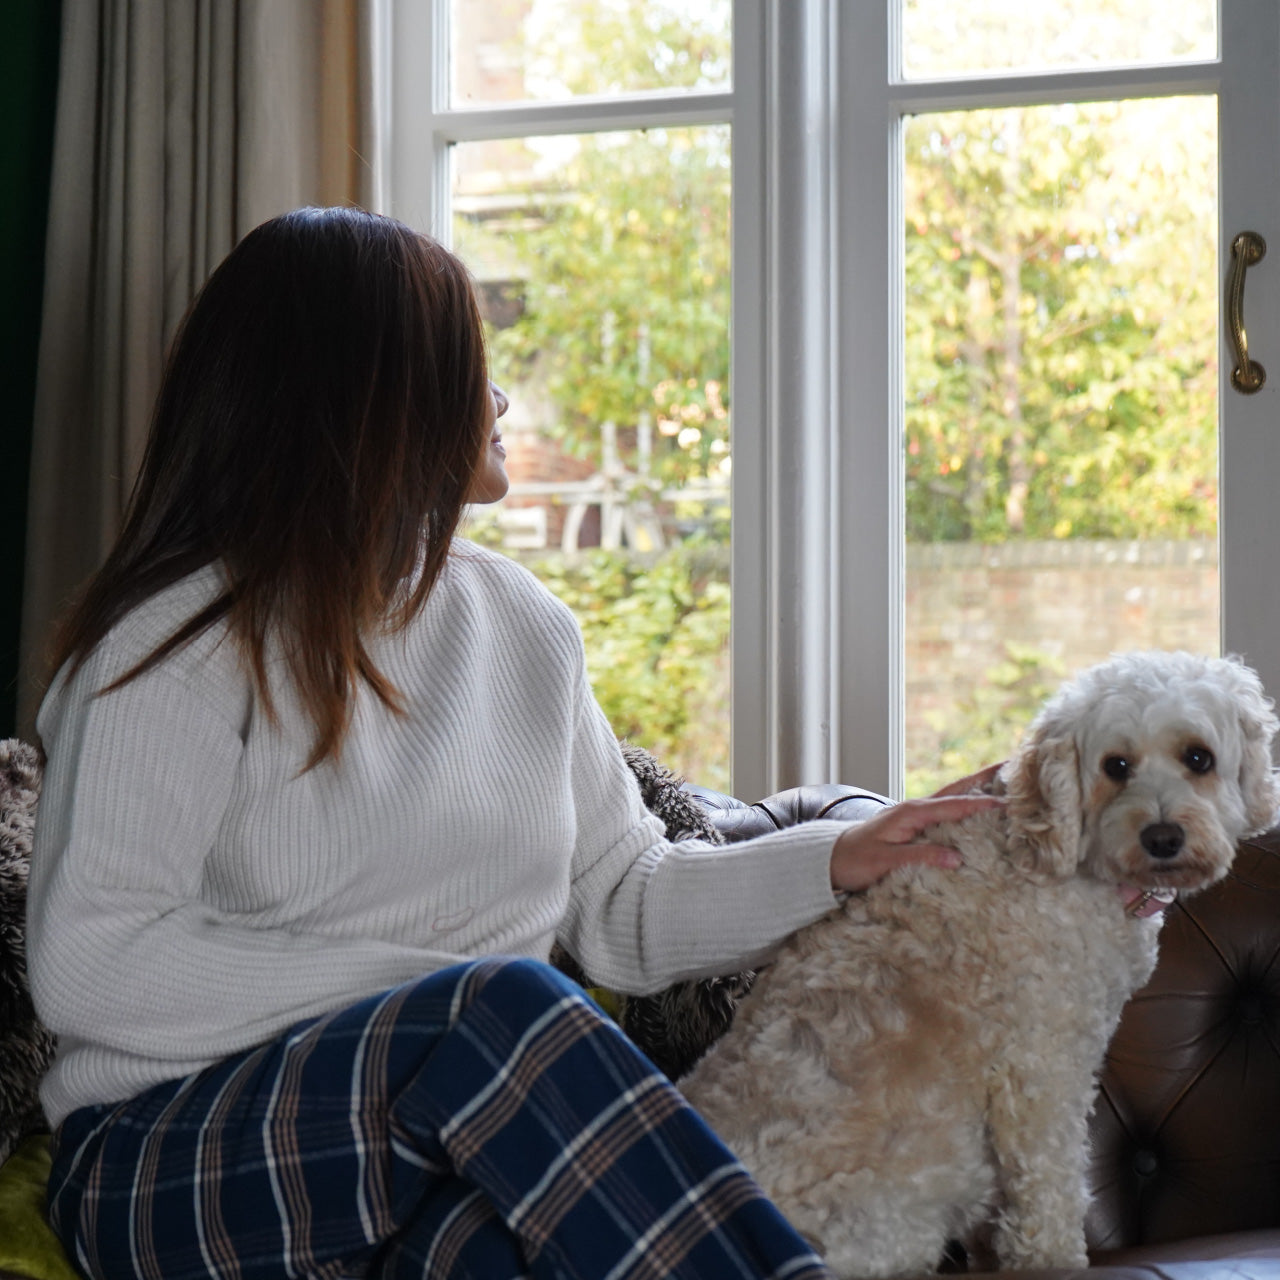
(483, 1122)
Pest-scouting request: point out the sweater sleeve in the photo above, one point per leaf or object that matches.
(123, 952)
(645, 912)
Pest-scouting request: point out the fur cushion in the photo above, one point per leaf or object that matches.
(26, 1048)
(677, 1026)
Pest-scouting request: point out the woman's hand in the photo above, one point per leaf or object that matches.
(868, 851)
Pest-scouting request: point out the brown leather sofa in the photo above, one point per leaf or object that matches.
(1186, 1134)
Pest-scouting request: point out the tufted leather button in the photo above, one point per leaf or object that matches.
(1249, 1008)
(1145, 1163)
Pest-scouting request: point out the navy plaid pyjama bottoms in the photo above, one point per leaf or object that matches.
(485, 1122)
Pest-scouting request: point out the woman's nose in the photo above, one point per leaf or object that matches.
(501, 403)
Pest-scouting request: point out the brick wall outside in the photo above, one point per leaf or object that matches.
(967, 606)
(1076, 602)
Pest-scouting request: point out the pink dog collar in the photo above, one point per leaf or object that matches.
(1144, 903)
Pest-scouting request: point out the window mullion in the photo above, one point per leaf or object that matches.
(869, 573)
(786, 522)
(1104, 85)
(475, 124)
(751, 766)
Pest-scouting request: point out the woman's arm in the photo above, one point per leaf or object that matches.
(644, 913)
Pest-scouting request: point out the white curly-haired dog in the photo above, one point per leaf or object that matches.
(922, 1062)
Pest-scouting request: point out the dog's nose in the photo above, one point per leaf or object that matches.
(1163, 839)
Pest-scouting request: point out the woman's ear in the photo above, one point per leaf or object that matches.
(1042, 784)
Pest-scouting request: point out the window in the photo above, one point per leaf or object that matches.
(579, 161)
(833, 115)
(1036, 402)
(1060, 394)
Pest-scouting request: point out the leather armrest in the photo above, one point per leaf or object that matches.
(737, 820)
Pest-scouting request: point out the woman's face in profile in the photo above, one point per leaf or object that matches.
(490, 482)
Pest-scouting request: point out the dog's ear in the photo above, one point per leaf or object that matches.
(1257, 719)
(1042, 785)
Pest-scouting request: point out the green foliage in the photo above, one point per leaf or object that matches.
(656, 639)
(622, 247)
(1061, 321)
(616, 46)
(983, 727)
(626, 296)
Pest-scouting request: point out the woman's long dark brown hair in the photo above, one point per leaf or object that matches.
(320, 419)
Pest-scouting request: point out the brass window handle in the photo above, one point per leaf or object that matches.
(1247, 249)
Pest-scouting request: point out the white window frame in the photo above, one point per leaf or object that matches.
(816, 562)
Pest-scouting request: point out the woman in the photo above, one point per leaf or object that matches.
(324, 784)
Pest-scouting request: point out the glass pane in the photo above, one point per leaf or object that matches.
(553, 50)
(944, 38)
(603, 265)
(1061, 406)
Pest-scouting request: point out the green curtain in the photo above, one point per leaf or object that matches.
(29, 41)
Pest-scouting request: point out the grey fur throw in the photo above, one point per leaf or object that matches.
(677, 1026)
(26, 1048)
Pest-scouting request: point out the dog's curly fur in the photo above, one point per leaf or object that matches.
(26, 1048)
(922, 1062)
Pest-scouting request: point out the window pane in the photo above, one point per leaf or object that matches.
(553, 50)
(1061, 406)
(949, 37)
(603, 265)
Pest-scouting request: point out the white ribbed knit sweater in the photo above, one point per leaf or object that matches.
(194, 893)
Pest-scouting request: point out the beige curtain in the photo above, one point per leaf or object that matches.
(181, 124)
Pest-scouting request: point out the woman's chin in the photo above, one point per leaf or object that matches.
(490, 485)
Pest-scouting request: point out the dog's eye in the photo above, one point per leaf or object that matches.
(1198, 759)
(1116, 768)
